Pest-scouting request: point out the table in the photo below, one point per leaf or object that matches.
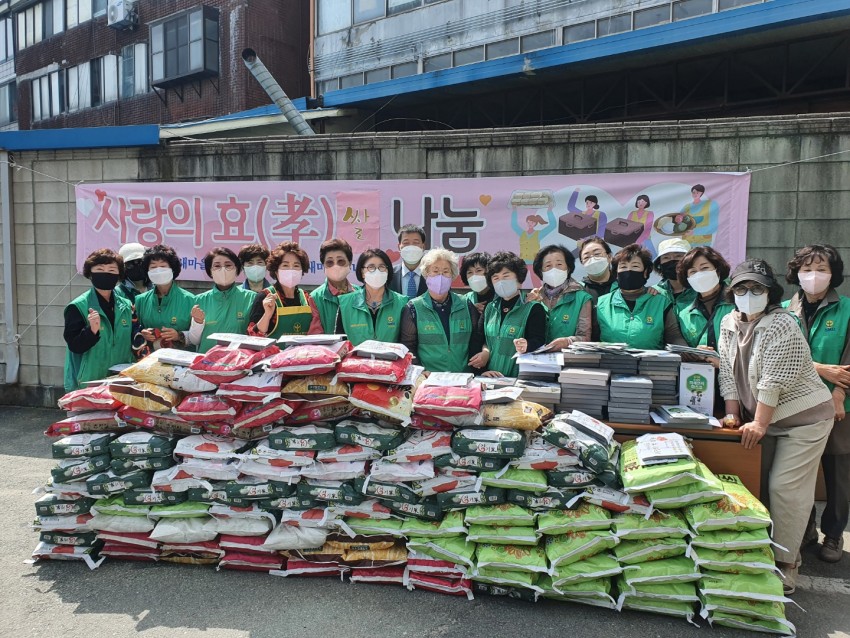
(719, 448)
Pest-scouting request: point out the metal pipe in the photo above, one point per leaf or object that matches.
(276, 93)
(10, 302)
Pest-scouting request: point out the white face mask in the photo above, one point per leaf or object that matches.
(555, 277)
(224, 278)
(337, 273)
(255, 273)
(289, 278)
(595, 266)
(160, 276)
(704, 280)
(375, 279)
(751, 304)
(477, 282)
(506, 288)
(412, 254)
(814, 282)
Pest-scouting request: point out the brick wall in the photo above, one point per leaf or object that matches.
(277, 29)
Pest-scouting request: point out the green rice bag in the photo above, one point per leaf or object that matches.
(752, 561)
(186, 509)
(739, 510)
(506, 514)
(576, 546)
(77, 539)
(584, 517)
(552, 499)
(671, 524)
(502, 535)
(506, 591)
(144, 496)
(656, 606)
(83, 444)
(426, 510)
(350, 432)
(595, 592)
(760, 609)
(386, 491)
(591, 451)
(78, 469)
(253, 490)
(135, 444)
(333, 492)
(572, 478)
(470, 463)
(511, 558)
(108, 483)
(732, 540)
(371, 526)
(679, 569)
(122, 467)
(764, 586)
(305, 437)
(778, 626)
(634, 552)
(507, 578)
(640, 478)
(63, 504)
(454, 549)
(115, 506)
(293, 502)
(498, 443)
(705, 490)
(678, 592)
(513, 479)
(601, 566)
(451, 525)
(466, 498)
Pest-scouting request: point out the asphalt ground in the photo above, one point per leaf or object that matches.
(125, 598)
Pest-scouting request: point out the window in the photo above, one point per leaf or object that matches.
(350, 81)
(405, 69)
(723, 5)
(469, 56)
(502, 49)
(365, 10)
(7, 39)
(328, 85)
(184, 47)
(438, 62)
(537, 41)
(98, 8)
(78, 11)
(134, 70)
(652, 16)
(8, 103)
(579, 32)
(334, 15)
(685, 9)
(79, 87)
(377, 75)
(614, 24)
(40, 21)
(48, 96)
(397, 6)
(104, 80)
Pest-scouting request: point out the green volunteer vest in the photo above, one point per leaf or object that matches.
(685, 299)
(113, 347)
(436, 352)
(174, 310)
(328, 306)
(225, 311)
(694, 325)
(290, 320)
(828, 335)
(563, 318)
(642, 328)
(500, 338)
(357, 318)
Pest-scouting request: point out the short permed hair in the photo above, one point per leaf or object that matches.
(335, 244)
(101, 257)
(250, 251)
(436, 254)
(222, 252)
(715, 258)
(365, 256)
(274, 260)
(805, 255)
(472, 260)
(506, 259)
(161, 252)
(593, 240)
(537, 267)
(630, 252)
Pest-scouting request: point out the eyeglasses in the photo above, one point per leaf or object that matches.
(756, 289)
(228, 267)
(373, 268)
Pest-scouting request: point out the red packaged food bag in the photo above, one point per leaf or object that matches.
(102, 421)
(355, 369)
(247, 561)
(305, 360)
(379, 575)
(225, 363)
(255, 415)
(389, 402)
(206, 407)
(89, 399)
(441, 401)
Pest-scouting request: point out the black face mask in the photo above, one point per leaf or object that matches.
(104, 280)
(631, 279)
(668, 270)
(136, 270)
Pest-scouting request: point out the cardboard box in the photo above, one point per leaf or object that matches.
(696, 387)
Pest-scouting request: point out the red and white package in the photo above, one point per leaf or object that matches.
(89, 399)
(211, 469)
(305, 360)
(439, 584)
(88, 555)
(102, 421)
(221, 364)
(280, 458)
(421, 446)
(164, 422)
(617, 501)
(255, 415)
(321, 411)
(253, 388)
(378, 575)
(335, 471)
(421, 563)
(137, 539)
(200, 549)
(250, 562)
(123, 551)
(271, 470)
(207, 446)
(447, 401)
(348, 453)
(422, 422)
(384, 471)
(541, 455)
(244, 544)
(386, 401)
(300, 567)
(371, 508)
(446, 482)
(354, 369)
(206, 407)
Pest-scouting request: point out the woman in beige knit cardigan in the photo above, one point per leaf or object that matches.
(773, 393)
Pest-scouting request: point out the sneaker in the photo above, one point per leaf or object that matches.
(789, 577)
(811, 537)
(832, 550)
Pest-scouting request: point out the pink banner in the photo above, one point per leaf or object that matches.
(521, 214)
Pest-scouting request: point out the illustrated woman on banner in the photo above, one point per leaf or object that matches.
(591, 208)
(706, 214)
(531, 236)
(642, 215)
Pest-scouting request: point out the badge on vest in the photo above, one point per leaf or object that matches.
(649, 320)
(462, 325)
(123, 322)
(296, 327)
(830, 325)
(565, 318)
(173, 320)
(239, 315)
(512, 331)
(390, 320)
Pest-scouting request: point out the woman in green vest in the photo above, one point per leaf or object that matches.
(165, 312)
(441, 328)
(226, 307)
(473, 273)
(633, 315)
(596, 256)
(704, 271)
(253, 259)
(570, 307)
(284, 308)
(825, 317)
(98, 323)
(373, 311)
(511, 324)
(670, 253)
(336, 257)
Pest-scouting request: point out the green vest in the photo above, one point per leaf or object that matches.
(328, 306)
(687, 297)
(113, 347)
(641, 328)
(828, 335)
(437, 352)
(225, 311)
(174, 310)
(290, 320)
(563, 318)
(500, 338)
(357, 318)
(694, 325)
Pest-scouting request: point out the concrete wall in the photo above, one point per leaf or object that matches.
(789, 206)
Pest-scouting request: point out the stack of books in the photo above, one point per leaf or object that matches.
(546, 393)
(585, 390)
(577, 359)
(663, 369)
(540, 367)
(630, 399)
(680, 416)
(619, 363)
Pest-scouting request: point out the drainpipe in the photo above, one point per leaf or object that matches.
(267, 81)
(10, 303)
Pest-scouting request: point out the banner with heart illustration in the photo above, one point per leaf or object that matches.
(520, 214)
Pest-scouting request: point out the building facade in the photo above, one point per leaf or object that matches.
(86, 63)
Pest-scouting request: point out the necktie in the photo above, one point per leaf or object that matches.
(411, 284)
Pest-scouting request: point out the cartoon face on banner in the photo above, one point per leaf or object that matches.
(520, 214)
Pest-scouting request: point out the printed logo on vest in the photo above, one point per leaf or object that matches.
(649, 320)
(430, 327)
(239, 315)
(123, 322)
(512, 331)
(462, 325)
(565, 318)
(173, 320)
(390, 320)
(830, 325)
(296, 327)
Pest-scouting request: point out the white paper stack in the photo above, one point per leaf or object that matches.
(630, 399)
(585, 390)
(663, 368)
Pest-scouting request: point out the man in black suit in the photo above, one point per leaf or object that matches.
(407, 280)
